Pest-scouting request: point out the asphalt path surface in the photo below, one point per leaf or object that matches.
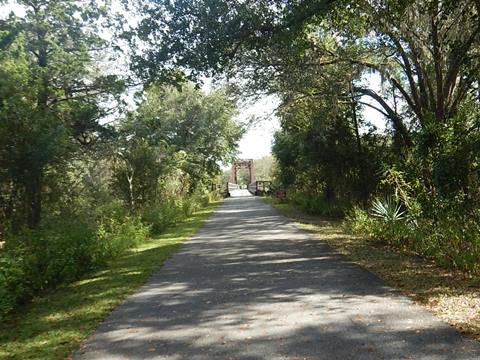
(251, 285)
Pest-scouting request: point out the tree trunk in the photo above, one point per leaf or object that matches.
(33, 186)
(355, 119)
(130, 192)
(33, 200)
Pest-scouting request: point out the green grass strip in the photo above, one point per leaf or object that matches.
(55, 324)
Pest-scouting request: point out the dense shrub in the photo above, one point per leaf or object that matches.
(115, 236)
(450, 235)
(358, 221)
(188, 206)
(14, 286)
(203, 198)
(316, 204)
(161, 216)
(172, 211)
(63, 249)
(35, 260)
(395, 232)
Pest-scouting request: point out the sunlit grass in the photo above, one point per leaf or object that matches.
(452, 295)
(55, 324)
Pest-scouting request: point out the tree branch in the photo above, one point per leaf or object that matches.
(400, 128)
(409, 73)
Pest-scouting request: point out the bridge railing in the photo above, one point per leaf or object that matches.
(258, 188)
(263, 187)
(231, 187)
(252, 188)
(222, 189)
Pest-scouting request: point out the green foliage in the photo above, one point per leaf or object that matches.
(51, 99)
(160, 217)
(136, 172)
(320, 151)
(265, 168)
(108, 197)
(174, 137)
(59, 321)
(359, 221)
(64, 249)
(388, 227)
(316, 204)
(173, 211)
(388, 210)
(36, 260)
(315, 56)
(115, 235)
(449, 236)
(75, 191)
(13, 288)
(231, 33)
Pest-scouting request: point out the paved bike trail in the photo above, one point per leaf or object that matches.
(251, 285)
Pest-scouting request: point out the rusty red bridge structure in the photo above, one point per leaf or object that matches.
(255, 187)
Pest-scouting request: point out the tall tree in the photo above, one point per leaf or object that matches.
(174, 129)
(51, 96)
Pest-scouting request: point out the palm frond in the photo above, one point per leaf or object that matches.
(388, 210)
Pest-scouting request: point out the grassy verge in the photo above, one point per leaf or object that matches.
(453, 296)
(53, 325)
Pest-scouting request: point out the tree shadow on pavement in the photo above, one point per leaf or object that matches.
(251, 285)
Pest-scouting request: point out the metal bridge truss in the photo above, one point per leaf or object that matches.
(255, 187)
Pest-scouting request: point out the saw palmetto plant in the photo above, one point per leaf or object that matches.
(388, 210)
